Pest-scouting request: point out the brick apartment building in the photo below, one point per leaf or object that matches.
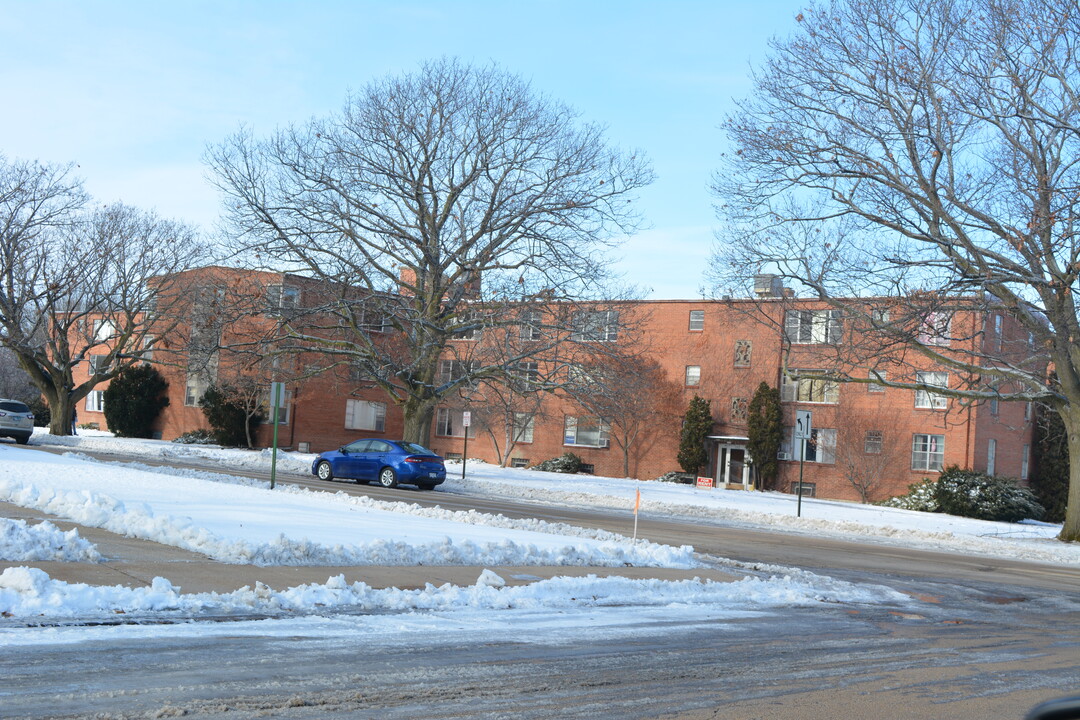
(717, 350)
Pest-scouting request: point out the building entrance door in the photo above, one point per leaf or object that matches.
(731, 467)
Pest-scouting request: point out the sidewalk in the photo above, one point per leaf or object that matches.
(135, 563)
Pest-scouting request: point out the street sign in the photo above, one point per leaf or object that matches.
(803, 424)
(277, 395)
(466, 418)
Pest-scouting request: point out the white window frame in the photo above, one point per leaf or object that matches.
(1025, 459)
(927, 452)
(692, 376)
(876, 374)
(97, 365)
(936, 329)
(874, 442)
(574, 426)
(95, 401)
(813, 327)
(283, 411)
(926, 400)
(365, 415)
(523, 427)
(595, 326)
(821, 447)
(529, 330)
(991, 456)
(281, 299)
(104, 330)
(696, 321)
(194, 388)
(804, 390)
(449, 423)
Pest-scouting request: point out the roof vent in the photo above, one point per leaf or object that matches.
(768, 286)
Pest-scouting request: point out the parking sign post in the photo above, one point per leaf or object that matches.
(466, 420)
(803, 430)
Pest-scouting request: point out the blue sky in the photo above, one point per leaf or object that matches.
(134, 91)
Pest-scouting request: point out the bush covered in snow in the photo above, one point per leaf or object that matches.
(977, 495)
(566, 463)
(676, 477)
(972, 494)
(196, 437)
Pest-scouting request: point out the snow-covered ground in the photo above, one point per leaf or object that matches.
(239, 520)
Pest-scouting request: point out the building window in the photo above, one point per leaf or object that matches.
(194, 388)
(935, 329)
(530, 325)
(927, 399)
(739, 409)
(805, 327)
(877, 376)
(1027, 412)
(1024, 462)
(526, 376)
(519, 462)
(820, 446)
(996, 340)
(697, 320)
(585, 431)
(874, 442)
(453, 370)
(693, 375)
(523, 427)
(994, 406)
(596, 326)
(99, 364)
(95, 401)
(927, 452)
(104, 330)
(808, 489)
(809, 390)
(365, 415)
(991, 456)
(469, 324)
(283, 411)
(450, 423)
(281, 299)
(743, 351)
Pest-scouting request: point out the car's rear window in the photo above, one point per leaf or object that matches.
(416, 449)
(12, 406)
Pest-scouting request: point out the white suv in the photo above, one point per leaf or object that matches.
(16, 420)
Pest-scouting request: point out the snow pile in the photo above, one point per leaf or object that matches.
(241, 522)
(30, 592)
(22, 542)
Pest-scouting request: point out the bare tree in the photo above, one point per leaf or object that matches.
(633, 395)
(923, 153)
(436, 205)
(869, 452)
(79, 285)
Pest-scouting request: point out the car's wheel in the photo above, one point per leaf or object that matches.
(387, 477)
(22, 439)
(426, 486)
(324, 471)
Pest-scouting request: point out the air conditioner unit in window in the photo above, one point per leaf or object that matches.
(605, 443)
(783, 456)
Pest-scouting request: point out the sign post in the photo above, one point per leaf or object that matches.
(803, 431)
(466, 420)
(277, 400)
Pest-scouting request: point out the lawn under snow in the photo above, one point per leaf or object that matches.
(238, 520)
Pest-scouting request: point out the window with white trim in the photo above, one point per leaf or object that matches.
(820, 447)
(365, 415)
(877, 375)
(936, 329)
(104, 330)
(596, 326)
(283, 411)
(95, 401)
(194, 388)
(874, 442)
(585, 431)
(451, 370)
(991, 456)
(805, 327)
(693, 375)
(281, 299)
(806, 389)
(697, 320)
(927, 452)
(1024, 459)
(529, 330)
(450, 423)
(523, 427)
(927, 399)
(99, 364)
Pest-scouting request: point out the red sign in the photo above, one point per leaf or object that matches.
(705, 482)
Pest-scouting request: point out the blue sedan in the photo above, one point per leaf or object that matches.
(388, 461)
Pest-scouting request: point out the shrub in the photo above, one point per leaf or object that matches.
(919, 497)
(972, 494)
(133, 401)
(676, 477)
(985, 497)
(697, 424)
(196, 437)
(565, 463)
(42, 413)
(228, 416)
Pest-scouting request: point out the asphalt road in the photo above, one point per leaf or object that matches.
(980, 638)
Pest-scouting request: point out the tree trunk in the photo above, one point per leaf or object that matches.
(418, 416)
(1070, 530)
(61, 405)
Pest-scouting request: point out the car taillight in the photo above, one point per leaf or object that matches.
(414, 459)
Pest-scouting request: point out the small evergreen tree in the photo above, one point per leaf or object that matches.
(765, 430)
(1050, 464)
(229, 416)
(697, 424)
(134, 399)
